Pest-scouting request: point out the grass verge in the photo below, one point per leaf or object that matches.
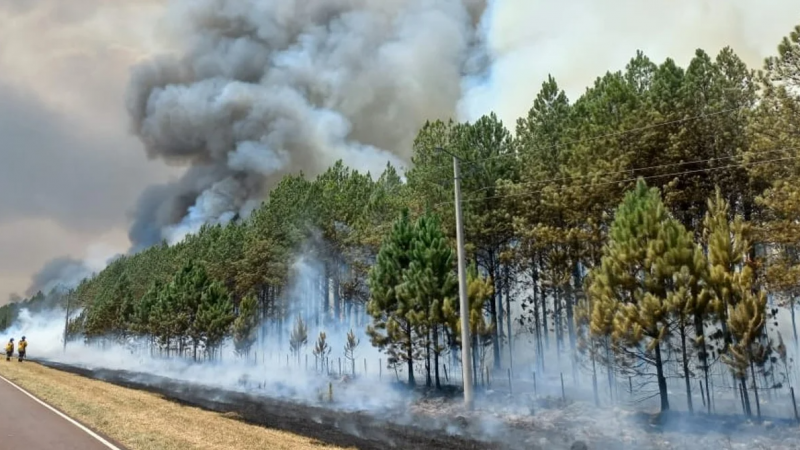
(144, 421)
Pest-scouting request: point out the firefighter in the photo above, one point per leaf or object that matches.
(10, 349)
(23, 344)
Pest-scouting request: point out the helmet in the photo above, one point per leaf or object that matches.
(23, 338)
(12, 339)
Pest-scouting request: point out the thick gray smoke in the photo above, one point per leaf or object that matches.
(66, 272)
(58, 272)
(264, 88)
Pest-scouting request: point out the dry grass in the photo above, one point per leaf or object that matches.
(144, 421)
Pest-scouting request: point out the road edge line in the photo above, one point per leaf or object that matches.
(63, 416)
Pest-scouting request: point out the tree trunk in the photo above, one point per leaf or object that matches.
(428, 381)
(543, 299)
(501, 313)
(474, 359)
(545, 317)
(410, 355)
(686, 377)
(701, 337)
(794, 324)
(325, 291)
(662, 381)
(337, 299)
(747, 409)
(493, 311)
(436, 356)
(568, 302)
(537, 322)
(594, 376)
(558, 321)
(571, 302)
(507, 283)
(609, 366)
(755, 389)
(538, 331)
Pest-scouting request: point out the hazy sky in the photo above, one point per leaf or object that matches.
(70, 172)
(579, 40)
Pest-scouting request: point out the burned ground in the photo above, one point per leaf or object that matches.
(438, 422)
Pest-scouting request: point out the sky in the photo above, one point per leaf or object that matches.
(71, 172)
(578, 40)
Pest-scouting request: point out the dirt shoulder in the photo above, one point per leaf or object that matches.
(143, 420)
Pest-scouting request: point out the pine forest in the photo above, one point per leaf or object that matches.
(646, 232)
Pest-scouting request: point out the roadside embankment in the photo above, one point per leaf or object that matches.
(142, 420)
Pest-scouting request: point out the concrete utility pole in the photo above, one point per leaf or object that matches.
(466, 341)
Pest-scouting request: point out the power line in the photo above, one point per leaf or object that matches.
(673, 174)
(635, 169)
(615, 134)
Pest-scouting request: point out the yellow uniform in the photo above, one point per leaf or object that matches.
(23, 344)
(9, 350)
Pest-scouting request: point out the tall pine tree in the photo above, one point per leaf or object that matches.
(633, 283)
(392, 328)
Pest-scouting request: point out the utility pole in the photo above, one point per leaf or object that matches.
(466, 341)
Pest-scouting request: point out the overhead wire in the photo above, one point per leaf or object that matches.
(630, 179)
(609, 135)
(631, 170)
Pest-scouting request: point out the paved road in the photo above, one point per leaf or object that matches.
(25, 424)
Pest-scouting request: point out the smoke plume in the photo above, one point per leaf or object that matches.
(579, 40)
(261, 89)
(55, 272)
(65, 272)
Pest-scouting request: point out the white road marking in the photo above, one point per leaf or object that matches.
(64, 416)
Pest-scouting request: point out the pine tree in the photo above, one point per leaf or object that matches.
(350, 349)
(740, 305)
(777, 134)
(633, 282)
(322, 350)
(429, 283)
(169, 321)
(687, 263)
(244, 326)
(392, 328)
(143, 320)
(188, 287)
(142, 310)
(214, 317)
(111, 312)
(298, 338)
(479, 292)
(124, 307)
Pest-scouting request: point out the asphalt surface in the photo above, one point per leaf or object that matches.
(27, 425)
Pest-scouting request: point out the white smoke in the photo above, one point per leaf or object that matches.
(270, 369)
(579, 40)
